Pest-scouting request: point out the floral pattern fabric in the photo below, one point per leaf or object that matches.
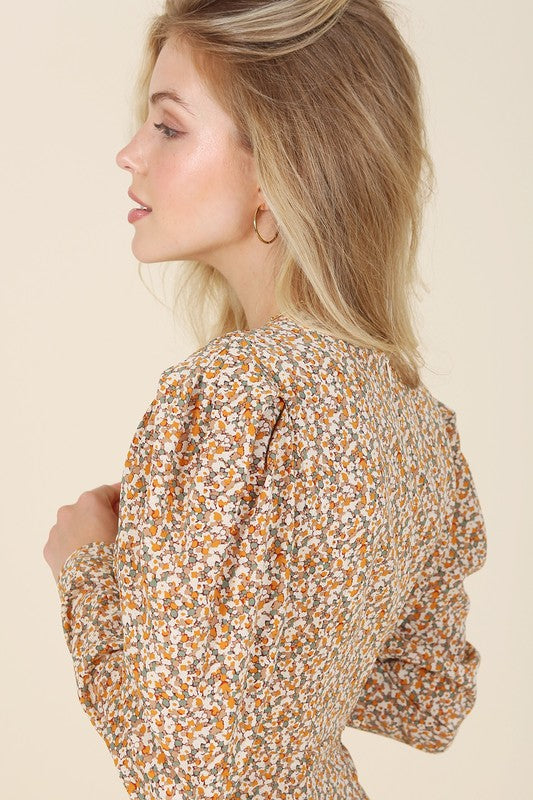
(295, 526)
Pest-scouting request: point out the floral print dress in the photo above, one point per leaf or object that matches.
(295, 526)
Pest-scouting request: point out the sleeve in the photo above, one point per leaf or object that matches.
(423, 683)
(170, 714)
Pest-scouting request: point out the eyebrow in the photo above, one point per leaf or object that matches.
(169, 94)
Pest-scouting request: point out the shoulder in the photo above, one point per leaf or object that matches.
(448, 417)
(227, 376)
(449, 427)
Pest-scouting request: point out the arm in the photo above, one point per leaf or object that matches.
(423, 683)
(170, 708)
(92, 625)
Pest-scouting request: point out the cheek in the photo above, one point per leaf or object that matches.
(203, 181)
(185, 163)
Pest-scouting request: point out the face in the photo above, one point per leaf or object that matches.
(187, 167)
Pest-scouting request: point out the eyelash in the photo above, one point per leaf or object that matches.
(168, 133)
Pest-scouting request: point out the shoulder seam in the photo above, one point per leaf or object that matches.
(210, 353)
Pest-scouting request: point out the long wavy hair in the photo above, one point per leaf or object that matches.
(326, 96)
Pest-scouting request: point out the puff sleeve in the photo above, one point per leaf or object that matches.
(423, 682)
(167, 692)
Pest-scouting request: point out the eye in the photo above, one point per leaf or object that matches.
(168, 133)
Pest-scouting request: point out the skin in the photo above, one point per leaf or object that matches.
(202, 188)
(93, 518)
(203, 191)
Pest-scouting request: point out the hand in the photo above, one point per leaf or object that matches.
(93, 518)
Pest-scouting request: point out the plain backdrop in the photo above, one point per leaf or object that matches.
(84, 343)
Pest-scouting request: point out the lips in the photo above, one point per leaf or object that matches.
(138, 200)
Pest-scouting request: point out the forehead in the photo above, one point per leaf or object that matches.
(174, 65)
(175, 71)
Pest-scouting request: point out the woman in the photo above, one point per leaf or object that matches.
(296, 516)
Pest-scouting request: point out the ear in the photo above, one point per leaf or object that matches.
(261, 200)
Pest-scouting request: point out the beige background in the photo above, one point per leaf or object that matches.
(84, 343)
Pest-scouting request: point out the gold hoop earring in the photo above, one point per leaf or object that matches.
(266, 241)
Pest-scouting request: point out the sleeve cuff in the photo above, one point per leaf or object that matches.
(90, 561)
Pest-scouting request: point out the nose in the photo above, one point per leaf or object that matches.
(131, 156)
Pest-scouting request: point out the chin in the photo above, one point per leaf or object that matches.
(144, 255)
(152, 255)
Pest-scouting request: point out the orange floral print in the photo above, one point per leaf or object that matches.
(295, 526)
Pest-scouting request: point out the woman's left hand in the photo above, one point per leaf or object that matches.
(93, 518)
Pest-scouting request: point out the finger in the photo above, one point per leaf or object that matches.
(109, 491)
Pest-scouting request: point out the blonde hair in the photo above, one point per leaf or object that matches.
(326, 96)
